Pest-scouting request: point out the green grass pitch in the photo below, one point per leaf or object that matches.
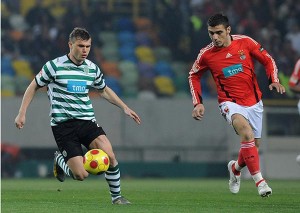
(146, 195)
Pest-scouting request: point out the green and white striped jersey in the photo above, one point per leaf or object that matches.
(68, 87)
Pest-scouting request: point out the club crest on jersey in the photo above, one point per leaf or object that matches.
(86, 70)
(226, 110)
(64, 153)
(76, 86)
(242, 54)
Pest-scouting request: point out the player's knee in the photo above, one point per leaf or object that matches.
(248, 136)
(257, 143)
(112, 159)
(246, 133)
(80, 175)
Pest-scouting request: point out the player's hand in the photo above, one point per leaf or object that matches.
(198, 112)
(133, 115)
(279, 88)
(20, 121)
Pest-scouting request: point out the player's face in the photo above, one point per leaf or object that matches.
(79, 50)
(220, 35)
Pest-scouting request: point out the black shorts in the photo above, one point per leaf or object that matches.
(72, 134)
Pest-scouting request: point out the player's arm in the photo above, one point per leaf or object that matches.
(195, 75)
(294, 82)
(195, 87)
(259, 53)
(113, 98)
(198, 112)
(27, 98)
(295, 88)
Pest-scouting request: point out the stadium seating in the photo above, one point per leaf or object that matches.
(143, 39)
(127, 52)
(142, 24)
(145, 54)
(7, 86)
(163, 68)
(129, 78)
(111, 69)
(126, 37)
(181, 71)
(22, 68)
(110, 53)
(108, 37)
(125, 24)
(146, 70)
(114, 84)
(162, 53)
(6, 66)
(164, 86)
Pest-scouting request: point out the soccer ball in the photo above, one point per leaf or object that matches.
(96, 161)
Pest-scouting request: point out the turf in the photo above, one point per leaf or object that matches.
(146, 195)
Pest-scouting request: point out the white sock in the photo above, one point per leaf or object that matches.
(237, 167)
(257, 177)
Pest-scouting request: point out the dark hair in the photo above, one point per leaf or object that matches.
(79, 33)
(218, 19)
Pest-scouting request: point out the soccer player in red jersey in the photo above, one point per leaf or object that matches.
(230, 61)
(294, 82)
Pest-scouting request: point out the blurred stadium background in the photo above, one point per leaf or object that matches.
(146, 48)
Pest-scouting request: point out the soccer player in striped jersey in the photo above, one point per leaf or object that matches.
(68, 79)
(230, 61)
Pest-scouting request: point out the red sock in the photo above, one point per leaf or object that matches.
(235, 172)
(240, 160)
(250, 155)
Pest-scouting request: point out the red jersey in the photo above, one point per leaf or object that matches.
(232, 68)
(295, 77)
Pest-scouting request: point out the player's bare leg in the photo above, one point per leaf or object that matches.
(61, 168)
(112, 175)
(250, 154)
(76, 166)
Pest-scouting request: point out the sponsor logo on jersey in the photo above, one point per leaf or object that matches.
(228, 55)
(76, 86)
(242, 54)
(232, 70)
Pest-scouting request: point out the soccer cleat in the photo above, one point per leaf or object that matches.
(120, 201)
(264, 190)
(57, 171)
(234, 181)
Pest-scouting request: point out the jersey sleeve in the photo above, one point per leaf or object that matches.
(99, 82)
(259, 53)
(195, 75)
(295, 77)
(46, 74)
